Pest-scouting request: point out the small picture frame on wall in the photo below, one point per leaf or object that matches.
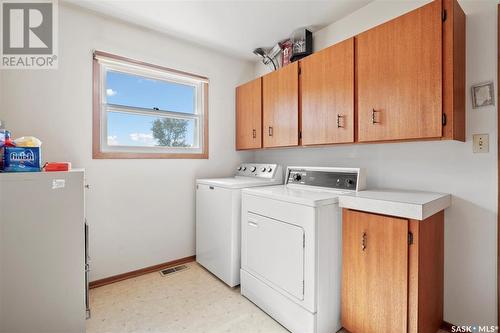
(483, 94)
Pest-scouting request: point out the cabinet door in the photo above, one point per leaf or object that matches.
(327, 95)
(249, 115)
(374, 273)
(399, 77)
(280, 91)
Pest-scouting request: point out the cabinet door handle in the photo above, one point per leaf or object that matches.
(253, 224)
(338, 120)
(363, 241)
(270, 131)
(374, 119)
(254, 133)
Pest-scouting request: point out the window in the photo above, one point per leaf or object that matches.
(147, 111)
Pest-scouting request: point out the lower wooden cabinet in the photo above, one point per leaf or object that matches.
(392, 273)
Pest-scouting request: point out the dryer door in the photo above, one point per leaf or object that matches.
(275, 253)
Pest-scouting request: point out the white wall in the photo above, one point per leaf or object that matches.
(141, 212)
(470, 227)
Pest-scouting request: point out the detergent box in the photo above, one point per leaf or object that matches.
(21, 159)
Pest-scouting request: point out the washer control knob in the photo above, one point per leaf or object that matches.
(269, 169)
(239, 168)
(348, 182)
(263, 169)
(244, 168)
(253, 169)
(297, 177)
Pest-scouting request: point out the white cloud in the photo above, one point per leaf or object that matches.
(110, 92)
(145, 138)
(113, 140)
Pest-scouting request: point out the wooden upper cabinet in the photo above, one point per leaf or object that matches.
(280, 97)
(327, 95)
(374, 273)
(402, 80)
(399, 77)
(454, 71)
(249, 115)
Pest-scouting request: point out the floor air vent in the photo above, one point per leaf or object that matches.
(172, 270)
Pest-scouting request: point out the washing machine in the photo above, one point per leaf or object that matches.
(291, 247)
(218, 217)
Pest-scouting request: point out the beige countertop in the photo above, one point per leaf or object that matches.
(415, 205)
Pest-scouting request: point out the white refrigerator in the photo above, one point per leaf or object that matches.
(43, 256)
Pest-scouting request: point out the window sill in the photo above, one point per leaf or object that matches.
(148, 156)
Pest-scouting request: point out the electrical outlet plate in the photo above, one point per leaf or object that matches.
(480, 143)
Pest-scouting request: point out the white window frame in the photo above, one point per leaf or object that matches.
(105, 62)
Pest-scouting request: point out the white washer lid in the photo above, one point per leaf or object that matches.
(307, 197)
(238, 182)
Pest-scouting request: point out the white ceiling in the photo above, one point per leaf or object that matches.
(234, 27)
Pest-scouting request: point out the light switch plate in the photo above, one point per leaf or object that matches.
(481, 143)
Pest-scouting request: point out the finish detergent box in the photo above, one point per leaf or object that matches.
(21, 159)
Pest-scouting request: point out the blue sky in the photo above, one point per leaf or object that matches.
(137, 91)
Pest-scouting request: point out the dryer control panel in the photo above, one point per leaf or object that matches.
(330, 178)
